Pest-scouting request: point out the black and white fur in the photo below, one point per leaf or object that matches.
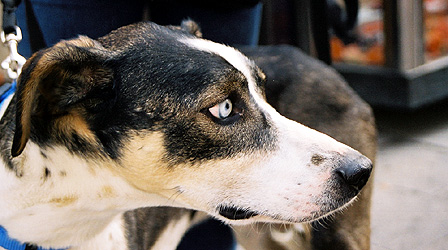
(98, 128)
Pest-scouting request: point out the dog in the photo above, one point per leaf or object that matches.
(151, 116)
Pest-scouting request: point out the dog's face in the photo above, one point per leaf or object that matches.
(184, 118)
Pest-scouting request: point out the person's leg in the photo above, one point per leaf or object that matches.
(231, 25)
(62, 19)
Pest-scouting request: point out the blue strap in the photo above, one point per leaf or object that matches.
(11, 244)
(8, 243)
(8, 93)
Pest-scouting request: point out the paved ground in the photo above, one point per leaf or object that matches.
(410, 202)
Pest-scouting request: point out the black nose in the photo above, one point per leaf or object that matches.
(355, 173)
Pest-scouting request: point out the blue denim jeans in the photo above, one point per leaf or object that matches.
(63, 19)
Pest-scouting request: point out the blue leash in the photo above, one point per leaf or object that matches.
(8, 93)
(8, 243)
(11, 244)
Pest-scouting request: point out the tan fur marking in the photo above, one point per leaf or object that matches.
(107, 192)
(27, 100)
(142, 161)
(64, 201)
(74, 122)
(81, 41)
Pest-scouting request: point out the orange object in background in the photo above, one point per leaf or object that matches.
(370, 53)
(355, 54)
(435, 36)
(375, 55)
(337, 47)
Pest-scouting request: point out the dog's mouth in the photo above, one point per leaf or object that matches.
(235, 213)
(238, 213)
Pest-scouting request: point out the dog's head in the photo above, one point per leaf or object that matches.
(186, 119)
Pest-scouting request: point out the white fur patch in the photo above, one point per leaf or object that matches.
(112, 238)
(231, 55)
(239, 247)
(285, 236)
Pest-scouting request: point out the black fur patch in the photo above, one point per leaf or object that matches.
(47, 173)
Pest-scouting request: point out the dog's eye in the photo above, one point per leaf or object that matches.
(222, 110)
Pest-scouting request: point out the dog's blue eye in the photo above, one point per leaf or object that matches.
(222, 110)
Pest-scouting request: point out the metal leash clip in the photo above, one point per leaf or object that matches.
(14, 62)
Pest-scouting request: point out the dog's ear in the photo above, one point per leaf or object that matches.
(191, 27)
(64, 80)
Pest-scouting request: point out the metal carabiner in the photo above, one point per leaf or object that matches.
(14, 62)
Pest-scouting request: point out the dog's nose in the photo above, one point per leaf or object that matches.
(355, 173)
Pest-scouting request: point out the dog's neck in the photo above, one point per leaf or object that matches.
(59, 199)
